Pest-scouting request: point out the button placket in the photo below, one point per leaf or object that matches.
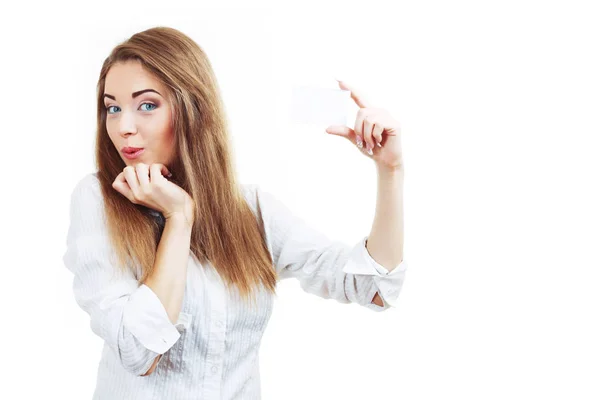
(218, 344)
(216, 341)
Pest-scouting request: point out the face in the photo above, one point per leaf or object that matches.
(138, 115)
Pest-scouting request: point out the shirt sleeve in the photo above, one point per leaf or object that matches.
(329, 269)
(128, 316)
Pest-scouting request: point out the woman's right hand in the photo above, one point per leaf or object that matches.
(147, 186)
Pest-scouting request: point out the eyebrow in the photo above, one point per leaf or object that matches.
(134, 94)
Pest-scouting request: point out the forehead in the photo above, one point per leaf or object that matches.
(124, 78)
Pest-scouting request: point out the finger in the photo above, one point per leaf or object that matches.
(358, 97)
(341, 130)
(157, 170)
(120, 185)
(378, 133)
(358, 129)
(165, 171)
(142, 171)
(132, 180)
(368, 133)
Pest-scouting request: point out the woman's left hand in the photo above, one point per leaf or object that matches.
(375, 132)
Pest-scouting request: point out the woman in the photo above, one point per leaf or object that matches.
(175, 261)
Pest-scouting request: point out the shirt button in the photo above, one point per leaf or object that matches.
(214, 369)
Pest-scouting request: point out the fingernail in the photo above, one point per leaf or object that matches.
(379, 144)
(370, 152)
(170, 175)
(359, 142)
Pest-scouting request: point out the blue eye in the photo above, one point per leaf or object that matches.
(148, 104)
(143, 104)
(108, 109)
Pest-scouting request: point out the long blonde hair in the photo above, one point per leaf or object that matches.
(226, 231)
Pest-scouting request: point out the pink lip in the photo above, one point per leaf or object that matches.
(133, 155)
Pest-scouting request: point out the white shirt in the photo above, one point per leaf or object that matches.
(211, 353)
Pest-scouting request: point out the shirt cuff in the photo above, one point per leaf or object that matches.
(388, 283)
(146, 318)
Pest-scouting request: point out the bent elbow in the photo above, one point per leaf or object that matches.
(377, 300)
(153, 367)
(141, 364)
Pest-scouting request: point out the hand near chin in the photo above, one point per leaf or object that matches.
(146, 185)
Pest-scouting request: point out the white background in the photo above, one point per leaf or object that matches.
(499, 108)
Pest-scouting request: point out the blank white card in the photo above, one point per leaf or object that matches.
(319, 106)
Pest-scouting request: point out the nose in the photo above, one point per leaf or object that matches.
(127, 124)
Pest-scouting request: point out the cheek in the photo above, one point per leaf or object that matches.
(112, 135)
(111, 128)
(161, 129)
(158, 132)
(163, 125)
(169, 141)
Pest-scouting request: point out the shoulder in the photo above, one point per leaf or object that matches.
(86, 209)
(87, 195)
(250, 192)
(256, 194)
(87, 183)
(248, 188)
(263, 201)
